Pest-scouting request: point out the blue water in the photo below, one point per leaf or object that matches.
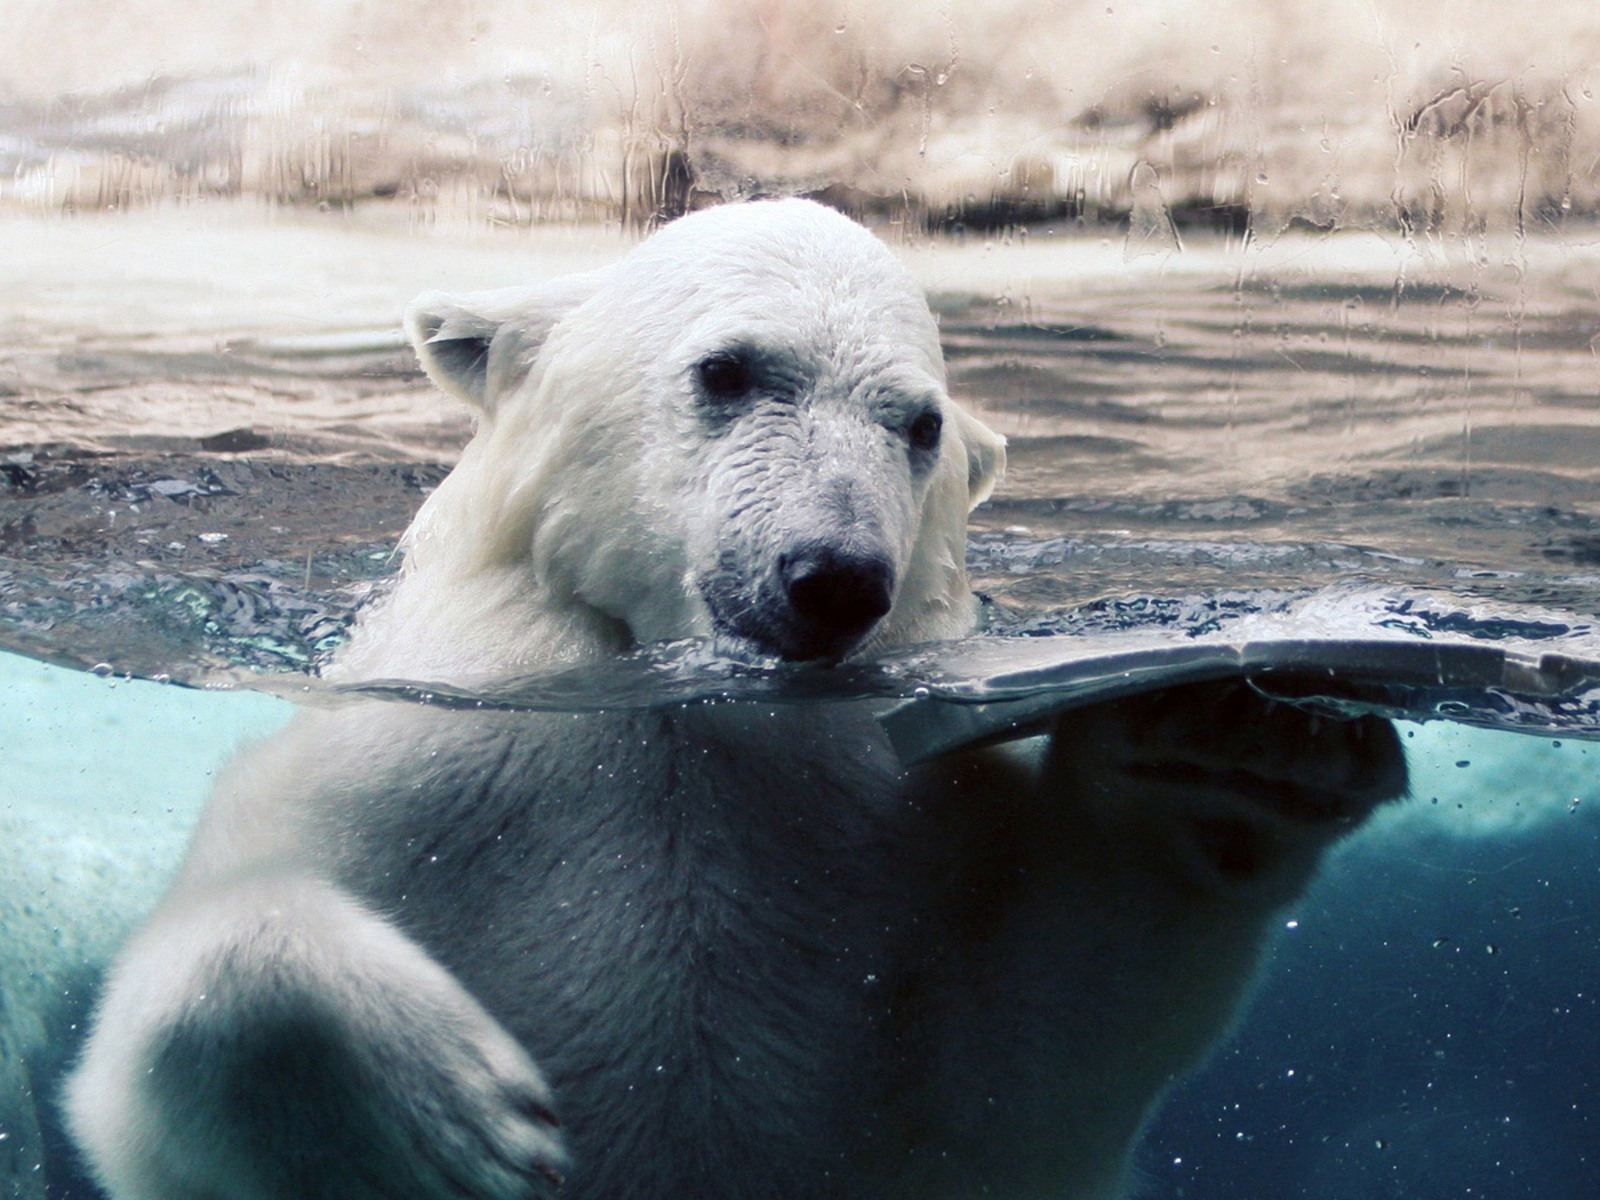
(1424, 1029)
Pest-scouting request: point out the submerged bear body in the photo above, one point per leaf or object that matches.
(642, 929)
(721, 950)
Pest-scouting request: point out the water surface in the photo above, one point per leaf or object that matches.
(213, 436)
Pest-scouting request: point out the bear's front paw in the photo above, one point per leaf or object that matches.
(299, 1096)
(1305, 765)
(482, 1116)
(1246, 788)
(306, 1051)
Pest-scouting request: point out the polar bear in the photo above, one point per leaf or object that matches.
(725, 950)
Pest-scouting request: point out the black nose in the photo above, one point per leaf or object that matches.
(837, 595)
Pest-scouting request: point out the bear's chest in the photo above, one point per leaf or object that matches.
(688, 911)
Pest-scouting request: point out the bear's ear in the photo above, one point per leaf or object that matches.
(479, 346)
(986, 455)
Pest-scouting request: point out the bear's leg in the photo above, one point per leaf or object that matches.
(273, 1040)
(1104, 906)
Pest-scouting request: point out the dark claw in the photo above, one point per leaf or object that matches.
(553, 1176)
(536, 1111)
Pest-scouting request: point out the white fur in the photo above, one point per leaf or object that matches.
(573, 507)
(751, 954)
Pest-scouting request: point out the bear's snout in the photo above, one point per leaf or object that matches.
(836, 596)
(816, 600)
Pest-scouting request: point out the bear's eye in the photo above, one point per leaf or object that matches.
(924, 431)
(725, 376)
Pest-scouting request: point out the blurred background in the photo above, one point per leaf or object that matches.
(1423, 115)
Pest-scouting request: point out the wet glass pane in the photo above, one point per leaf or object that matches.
(1288, 314)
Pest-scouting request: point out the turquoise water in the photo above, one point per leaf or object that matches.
(102, 780)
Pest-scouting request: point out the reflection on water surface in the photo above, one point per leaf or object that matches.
(1220, 427)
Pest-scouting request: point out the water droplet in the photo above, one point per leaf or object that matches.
(105, 669)
(1440, 941)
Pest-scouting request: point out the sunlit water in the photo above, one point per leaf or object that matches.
(211, 438)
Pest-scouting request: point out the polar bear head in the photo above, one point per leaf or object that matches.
(741, 430)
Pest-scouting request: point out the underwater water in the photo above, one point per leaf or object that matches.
(1240, 443)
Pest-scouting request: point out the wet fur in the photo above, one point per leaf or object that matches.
(721, 951)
